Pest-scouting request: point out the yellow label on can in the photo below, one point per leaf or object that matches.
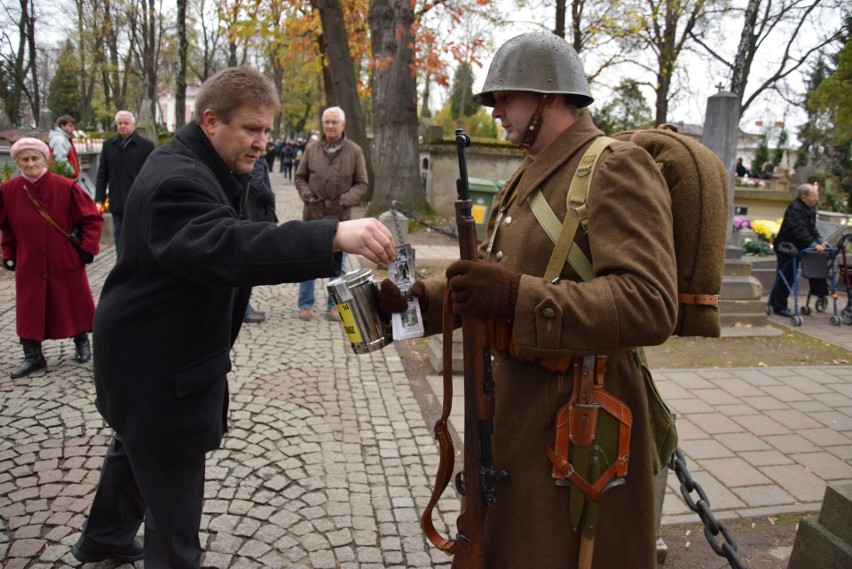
(478, 212)
(348, 322)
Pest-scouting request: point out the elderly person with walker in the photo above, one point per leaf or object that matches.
(51, 230)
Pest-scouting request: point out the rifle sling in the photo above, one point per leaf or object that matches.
(446, 451)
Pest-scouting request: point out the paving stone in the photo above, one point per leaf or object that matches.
(329, 461)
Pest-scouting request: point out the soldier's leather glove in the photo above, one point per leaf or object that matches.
(9, 264)
(392, 300)
(483, 290)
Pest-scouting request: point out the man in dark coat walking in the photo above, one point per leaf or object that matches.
(172, 307)
(799, 229)
(121, 160)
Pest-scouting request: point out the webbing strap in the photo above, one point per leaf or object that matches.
(576, 214)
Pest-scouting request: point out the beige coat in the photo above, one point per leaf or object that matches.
(630, 302)
(338, 180)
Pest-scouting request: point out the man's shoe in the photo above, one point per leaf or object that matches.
(254, 317)
(259, 312)
(304, 314)
(334, 315)
(782, 312)
(86, 551)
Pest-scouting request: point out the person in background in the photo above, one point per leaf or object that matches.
(546, 330)
(270, 153)
(331, 177)
(52, 295)
(767, 171)
(261, 208)
(288, 155)
(172, 307)
(62, 145)
(741, 170)
(121, 160)
(799, 229)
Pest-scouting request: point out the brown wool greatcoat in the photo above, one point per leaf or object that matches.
(338, 180)
(630, 302)
(53, 298)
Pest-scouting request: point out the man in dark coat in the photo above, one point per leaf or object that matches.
(121, 160)
(628, 300)
(172, 307)
(799, 229)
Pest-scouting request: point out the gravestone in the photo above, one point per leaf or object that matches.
(825, 541)
(740, 304)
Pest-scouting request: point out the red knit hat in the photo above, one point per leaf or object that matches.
(29, 144)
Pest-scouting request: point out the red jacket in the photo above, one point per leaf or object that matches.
(52, 290)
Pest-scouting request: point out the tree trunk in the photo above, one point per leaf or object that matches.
(35, 91)
(559, 28)
(86, 84)
(180, 79)
(394, 107)
(745, 51)
(342, 72)
(20, 70)
(576, 24)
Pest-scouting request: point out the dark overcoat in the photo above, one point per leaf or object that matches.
(630, 302)
(172, 306)
(53, 298)
(118, 166)
(799, 226)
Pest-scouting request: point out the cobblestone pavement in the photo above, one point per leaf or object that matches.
(328, 462)
(330, 459)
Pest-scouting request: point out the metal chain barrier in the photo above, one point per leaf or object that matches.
(712, 527)
(397, 207)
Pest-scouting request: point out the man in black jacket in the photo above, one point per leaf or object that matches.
(121, 160)
(172, 307)
(799, 229)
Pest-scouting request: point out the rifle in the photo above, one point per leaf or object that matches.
(478, 479)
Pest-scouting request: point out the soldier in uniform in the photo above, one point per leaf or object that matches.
(629, 301)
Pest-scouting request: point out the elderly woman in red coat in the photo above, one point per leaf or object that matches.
(52, 290)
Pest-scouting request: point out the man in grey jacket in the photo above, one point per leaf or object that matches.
(172, 307)
(331, 178)
(62, 146)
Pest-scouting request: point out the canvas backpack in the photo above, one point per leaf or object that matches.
(698, 183)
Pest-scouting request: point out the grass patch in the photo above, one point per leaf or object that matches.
(791, 348)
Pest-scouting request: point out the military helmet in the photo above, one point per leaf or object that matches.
(541, 62)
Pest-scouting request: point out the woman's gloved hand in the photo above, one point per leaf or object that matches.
(483, 290)
(392, 300)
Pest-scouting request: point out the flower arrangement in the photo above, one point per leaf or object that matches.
(766, 229)
(749, 183)
(757, 248)
(741, 222)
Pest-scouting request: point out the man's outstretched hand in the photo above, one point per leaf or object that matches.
(366, 237)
